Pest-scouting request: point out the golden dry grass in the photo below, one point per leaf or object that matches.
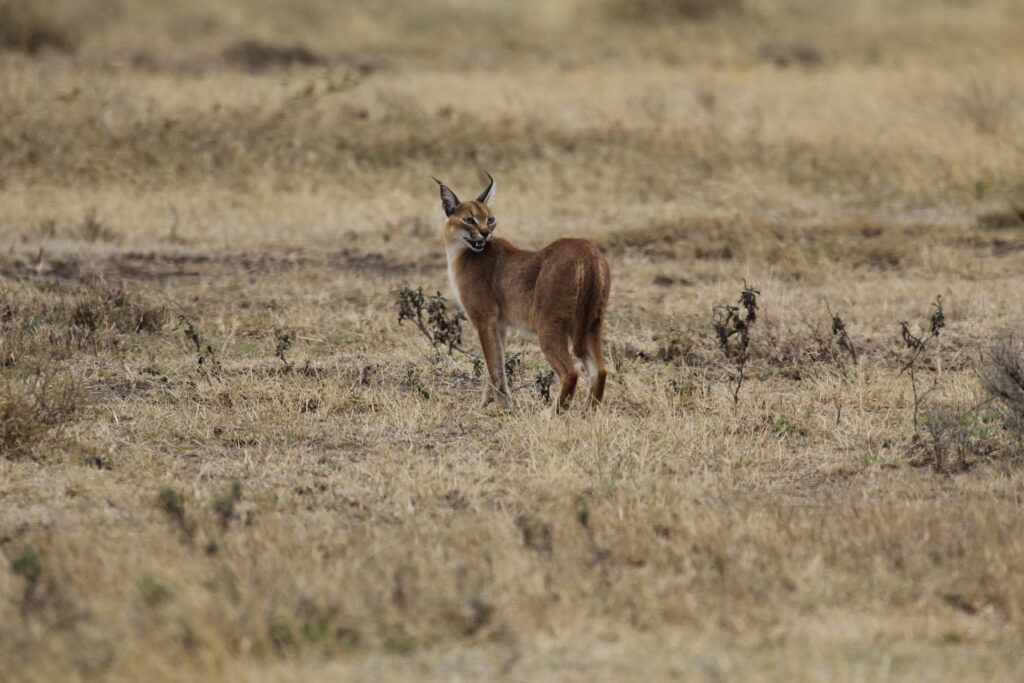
(347, 511)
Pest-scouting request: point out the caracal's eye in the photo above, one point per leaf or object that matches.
(469, 220)
(490, 221)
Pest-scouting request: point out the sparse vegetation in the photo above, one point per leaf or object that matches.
(431, 317)
(33, 405)
(284, 342)
(732, 331)
(206, 358)
(917, 349)
(172, 504)
(661, 10)
(224, 504)
(1002, 377)
(542, 382)
(958, 435)
(221, 459)
(839, 334)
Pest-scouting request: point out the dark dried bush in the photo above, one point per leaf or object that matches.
(732, 331)
(783, 54)
(103, 306)
(256, 55)
(430, 315)
(25, 28)
(998, 219)
(658, 10)
(32, 406)
(953, 439)
(1002, 376)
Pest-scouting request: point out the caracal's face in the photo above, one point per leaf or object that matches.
(471, 223)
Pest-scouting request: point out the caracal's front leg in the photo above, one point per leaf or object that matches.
(494, 383)
(502, 344)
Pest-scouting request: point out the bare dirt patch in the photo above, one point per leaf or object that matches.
(151, 265)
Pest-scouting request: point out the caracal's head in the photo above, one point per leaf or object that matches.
(469, 224)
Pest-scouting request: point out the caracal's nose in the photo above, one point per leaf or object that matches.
(484, 234)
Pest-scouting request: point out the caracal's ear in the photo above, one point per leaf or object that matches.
(448, 199)
(487, 196)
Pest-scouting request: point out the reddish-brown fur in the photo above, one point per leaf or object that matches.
(559, 293)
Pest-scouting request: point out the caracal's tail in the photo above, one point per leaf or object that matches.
(590, 301)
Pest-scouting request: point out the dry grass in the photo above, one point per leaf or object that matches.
(223, 459)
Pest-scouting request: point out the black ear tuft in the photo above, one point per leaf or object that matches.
(448, 199)
(488, 194)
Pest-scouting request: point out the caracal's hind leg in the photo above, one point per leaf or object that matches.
(555, 344)
(593, 359)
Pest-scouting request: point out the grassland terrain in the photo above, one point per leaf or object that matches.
(223, 458)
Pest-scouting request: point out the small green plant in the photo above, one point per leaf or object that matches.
(28, 565)
(316, 632)
(513, 365)
(690, 386)
(224, 504)
(732, 331)
(206, 359)
(413, 382)
(173, 505)
(839, 334)
(154, 592)
(841, 338)
(281, 633)
(284, 342)
(431, 317)
(917, 347)
(542, 382)
(399, 644)
(782, 426)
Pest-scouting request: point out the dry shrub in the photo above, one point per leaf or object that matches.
(985, 106)
(998, 219)
(256, 55)
(953, 439)
(784, 54)
(102, 306)
(790, 350)
(92, 229)
(1002, 376)
(43, 326)
(657, 10)
(45, 322)
(25, 28)
(32, 406)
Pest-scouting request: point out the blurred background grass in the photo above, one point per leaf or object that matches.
(445, 27)
(783, 108)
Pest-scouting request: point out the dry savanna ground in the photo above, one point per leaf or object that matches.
(222, 458)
